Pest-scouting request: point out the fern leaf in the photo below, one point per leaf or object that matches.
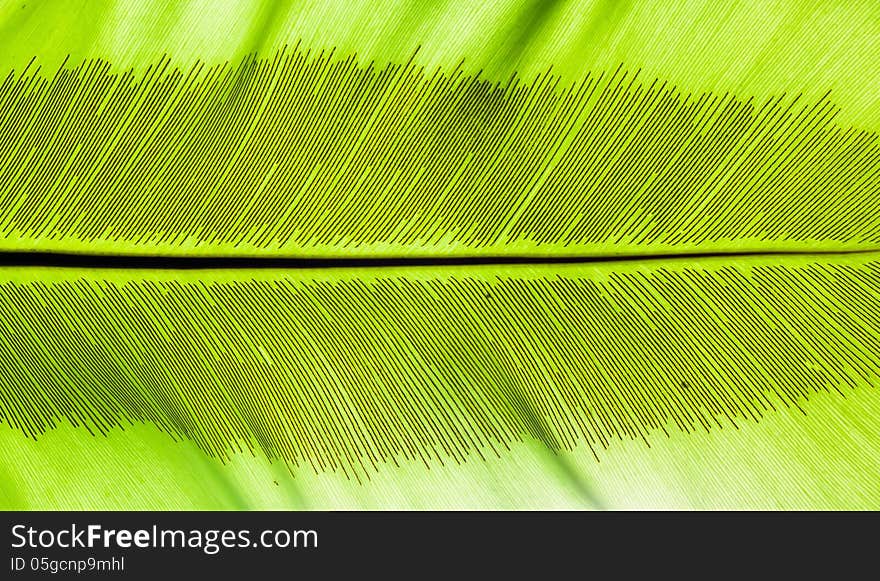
(313, 151)
(728, 154)
(356, 372)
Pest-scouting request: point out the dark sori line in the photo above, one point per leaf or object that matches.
(349, 373)
(310, 150)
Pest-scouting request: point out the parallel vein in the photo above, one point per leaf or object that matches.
(308, 154)
(350, 370)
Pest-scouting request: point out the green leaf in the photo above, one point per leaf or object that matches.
(392, 130)
(309, 152)
(825, 460)
(350, 374)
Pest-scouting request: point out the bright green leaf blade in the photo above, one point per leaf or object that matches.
(826, 459)
(750, 47)
(304, 154)
(360, 372)
(668, 347)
